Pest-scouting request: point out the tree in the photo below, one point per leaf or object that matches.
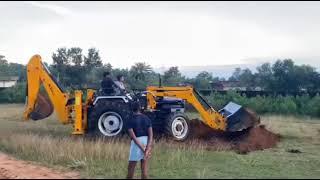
(107, 67)
(203, 80)
(75, 55)
(172, 72)
(235, 75)
(93, 59)
(264, 76)
(244, 76)
(12, 69)
(60, 61)
(3, 60)
(247, 79)
(283, 73)
(315, 81)
(15, 69)
(306, 77)
(140, 70)
(3, 66)
(205, 75)
(61, 57)
(172, 76)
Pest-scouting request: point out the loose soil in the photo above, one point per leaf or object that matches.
(252, 139)
(11, 168)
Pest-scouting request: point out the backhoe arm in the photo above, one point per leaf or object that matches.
(211, 117)
(38, 74)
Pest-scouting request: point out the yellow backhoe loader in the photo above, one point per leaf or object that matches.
(107, 114)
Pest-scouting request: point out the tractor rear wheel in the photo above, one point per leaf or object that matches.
(177, 126)
(108, 119)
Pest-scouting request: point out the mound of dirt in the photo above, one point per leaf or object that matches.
(253, 139)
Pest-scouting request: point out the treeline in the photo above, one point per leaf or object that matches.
(12, 69)
(286, 105)
(293, 105)
(15, 94)
(76, 69)
(283, 75)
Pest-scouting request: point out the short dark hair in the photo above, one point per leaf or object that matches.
(135, 106)
(107, 73)
(119, 77)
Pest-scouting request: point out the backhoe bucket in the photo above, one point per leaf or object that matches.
(43, 108)
(238, 117)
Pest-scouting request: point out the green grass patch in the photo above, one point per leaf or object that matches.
(49, 143)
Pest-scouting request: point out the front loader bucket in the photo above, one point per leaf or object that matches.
(43, 108)
(238, 117)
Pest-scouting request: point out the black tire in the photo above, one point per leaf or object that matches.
(171, 121)
(114, 107)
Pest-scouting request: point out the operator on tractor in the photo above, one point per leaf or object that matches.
(120, 83)
(107, 84)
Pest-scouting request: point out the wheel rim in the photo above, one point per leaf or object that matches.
(179, 127)
(110, 123)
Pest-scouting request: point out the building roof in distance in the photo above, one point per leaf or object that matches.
(9, 78)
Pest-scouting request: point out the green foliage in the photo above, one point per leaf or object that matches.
(61, 57)
(283, 75)
(312, 107)
(93, 58)
(172, 77)
(74, 70)
(140, 70)
(12, 69)
(203, 80)
(49, 143)
(75, 54)
(15, 94)
(299, 105)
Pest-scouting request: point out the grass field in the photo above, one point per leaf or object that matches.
(49, 143)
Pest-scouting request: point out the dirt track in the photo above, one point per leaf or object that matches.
(11, 168)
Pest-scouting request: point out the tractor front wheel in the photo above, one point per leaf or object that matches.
(177, 126)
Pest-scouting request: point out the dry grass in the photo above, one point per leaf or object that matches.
(51, 144)
(293, 126)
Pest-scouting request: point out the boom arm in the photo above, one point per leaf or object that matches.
(211, 117)
(38, 74)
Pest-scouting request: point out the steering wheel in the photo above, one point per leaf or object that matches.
(136, 95)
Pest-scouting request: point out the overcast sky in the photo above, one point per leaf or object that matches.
(164, 33)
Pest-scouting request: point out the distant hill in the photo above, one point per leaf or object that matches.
(217, 71)
(227, 70)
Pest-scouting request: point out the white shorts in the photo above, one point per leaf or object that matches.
(136, 154)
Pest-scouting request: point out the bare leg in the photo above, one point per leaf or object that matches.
(131, 167)
(144, 169)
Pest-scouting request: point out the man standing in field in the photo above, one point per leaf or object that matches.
(141, 134)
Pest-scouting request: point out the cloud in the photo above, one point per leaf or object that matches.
(54, 8)
(164, 34)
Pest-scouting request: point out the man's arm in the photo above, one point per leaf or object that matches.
(135, 139)
(150, 138)
(147, 153)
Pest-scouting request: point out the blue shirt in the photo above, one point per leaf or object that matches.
(140, 124)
